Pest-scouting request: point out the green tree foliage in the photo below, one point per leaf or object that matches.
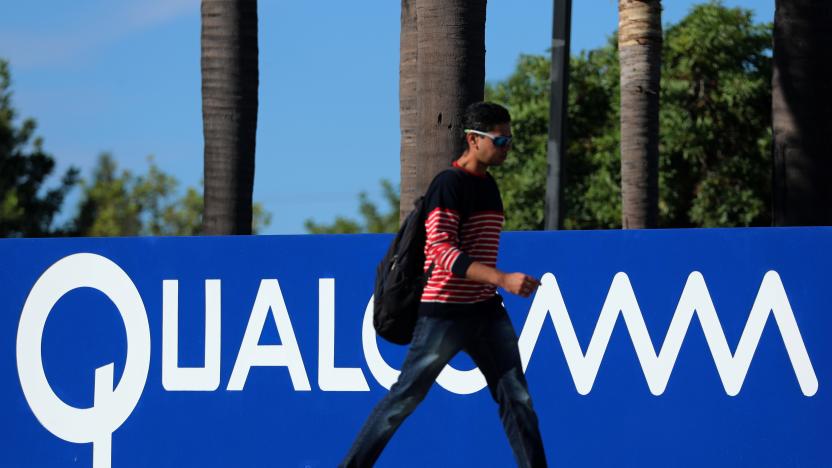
(592, 193)
(113, 202)
(715, 117)
(106, 207)
(716, 125)
(119, 203)
(27, 207)
(715, 160)
(372, 219)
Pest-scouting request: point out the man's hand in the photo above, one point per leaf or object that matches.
(515, 283)
(519, 283)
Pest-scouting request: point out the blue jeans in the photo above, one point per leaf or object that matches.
(490, 340)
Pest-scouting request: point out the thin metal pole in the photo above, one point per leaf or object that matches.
(558, 97)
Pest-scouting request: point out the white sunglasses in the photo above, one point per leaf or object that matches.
(499, 141)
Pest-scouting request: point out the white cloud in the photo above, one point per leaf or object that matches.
(150, 13)
(30, 48)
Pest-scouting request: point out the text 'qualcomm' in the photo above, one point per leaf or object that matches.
(113, 403)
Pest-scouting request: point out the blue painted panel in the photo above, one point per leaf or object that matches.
(622, 416)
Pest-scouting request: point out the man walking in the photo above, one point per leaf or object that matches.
(460, 309)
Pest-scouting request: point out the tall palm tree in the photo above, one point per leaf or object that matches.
(639, 54)
(229, 113)
(802, 112)
(451, 75)
(407, 107)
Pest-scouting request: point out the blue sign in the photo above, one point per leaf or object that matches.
(653, 348)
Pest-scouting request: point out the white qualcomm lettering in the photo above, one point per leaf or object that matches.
(286, 354)
(174, 377)
(657, 368)
(330, 378)
(112, 405)
(384, 374)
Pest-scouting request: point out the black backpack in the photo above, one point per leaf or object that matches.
(400, 279)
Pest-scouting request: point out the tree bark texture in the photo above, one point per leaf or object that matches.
(451, 76)
(407, 107)
(229, 113)
(802, 112)
(639, 53)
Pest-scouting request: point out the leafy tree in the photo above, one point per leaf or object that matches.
(185, 217)
(107, 207)
(119, 203)
(27, 207)
(373, 220)
(113, 202)
(715, 136)
(716, 120)
(592, 167)
(714, 161)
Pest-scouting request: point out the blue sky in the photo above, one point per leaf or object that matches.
(124, 77)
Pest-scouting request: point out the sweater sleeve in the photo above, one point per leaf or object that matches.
(444, 205)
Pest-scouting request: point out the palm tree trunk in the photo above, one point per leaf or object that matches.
(639, 52)
(802, 112)
(229, 113)
(407, 107)
(451, 76)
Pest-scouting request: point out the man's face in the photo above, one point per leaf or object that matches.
(487, 152)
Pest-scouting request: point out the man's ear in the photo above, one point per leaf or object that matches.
(471, 140)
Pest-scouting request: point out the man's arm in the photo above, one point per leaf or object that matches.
(515, 283)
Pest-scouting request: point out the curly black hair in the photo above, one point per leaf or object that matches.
(484, 116)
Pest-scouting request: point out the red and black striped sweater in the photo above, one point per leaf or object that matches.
(463, 225)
